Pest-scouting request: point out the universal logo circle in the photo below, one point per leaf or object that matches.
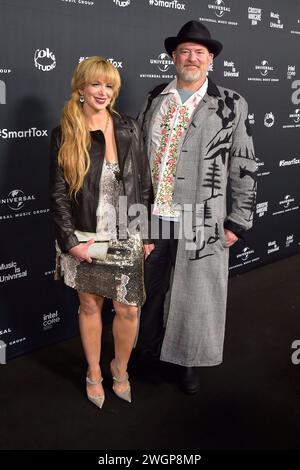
(297, 116)
(164, 62)
(220, 10)
(246, 253)
(17, 199)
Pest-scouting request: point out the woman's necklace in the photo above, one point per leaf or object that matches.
(106, 123)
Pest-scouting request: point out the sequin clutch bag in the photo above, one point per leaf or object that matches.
(97, 250)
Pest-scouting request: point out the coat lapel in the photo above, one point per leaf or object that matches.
(149, 122)
(206, 108)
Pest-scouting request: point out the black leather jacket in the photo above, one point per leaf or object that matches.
(80, 214)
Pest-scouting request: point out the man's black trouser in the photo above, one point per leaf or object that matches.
(158, 267)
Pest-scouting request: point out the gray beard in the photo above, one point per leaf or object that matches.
(189, 76)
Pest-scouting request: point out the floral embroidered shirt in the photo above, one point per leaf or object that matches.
(169, 128)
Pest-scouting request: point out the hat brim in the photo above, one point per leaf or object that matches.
(212, 45)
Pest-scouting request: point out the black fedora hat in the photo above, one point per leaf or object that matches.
(193, 31)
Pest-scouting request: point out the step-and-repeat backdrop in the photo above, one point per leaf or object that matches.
(41, 42)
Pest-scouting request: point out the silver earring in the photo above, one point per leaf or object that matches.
(81, 99)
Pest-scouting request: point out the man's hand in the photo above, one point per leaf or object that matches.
(230, 237)
(148, 249)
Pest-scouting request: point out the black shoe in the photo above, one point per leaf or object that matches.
(190, 380)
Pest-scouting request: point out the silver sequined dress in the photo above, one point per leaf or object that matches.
(120, 276)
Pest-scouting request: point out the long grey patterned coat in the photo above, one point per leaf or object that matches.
(217, 148)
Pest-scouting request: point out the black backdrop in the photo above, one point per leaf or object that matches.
(41, 42)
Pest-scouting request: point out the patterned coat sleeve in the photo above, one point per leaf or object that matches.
(242, 173)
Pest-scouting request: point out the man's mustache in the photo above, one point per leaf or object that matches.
(195, 65)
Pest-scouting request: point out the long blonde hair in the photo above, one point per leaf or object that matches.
(73, 156)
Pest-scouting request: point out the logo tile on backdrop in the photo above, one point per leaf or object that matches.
(254, 15)
(230, 69)
(272, 247)
(244, 257)
(50, 320)
(275, 22)
(116, 62)
(289, 241)
(172, 4)
(18, 204)
(122, 3)
(219, 12)
(262, 208)
(291, 72)
(293, 119)
(32, 132)
(291, 162)
(161, 67)
(286, 204)
(296, 27)
(264, 72)
(44, 59)
(269, 119)
(80, 3)
(261, 169)
(11, 271)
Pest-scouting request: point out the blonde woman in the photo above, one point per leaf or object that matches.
(97, 157)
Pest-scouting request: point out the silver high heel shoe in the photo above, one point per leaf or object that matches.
(99, 399)
(126, 395)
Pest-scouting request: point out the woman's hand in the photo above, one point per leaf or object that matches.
(80, 252)
(148, 249)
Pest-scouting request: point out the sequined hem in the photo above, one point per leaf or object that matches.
(119, 277)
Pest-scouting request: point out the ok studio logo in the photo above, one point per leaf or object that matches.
(269, 119)
(44, 60)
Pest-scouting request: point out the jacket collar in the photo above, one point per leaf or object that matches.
(212, 89)
(120, 121)
(123, 131)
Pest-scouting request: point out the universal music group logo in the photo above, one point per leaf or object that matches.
(219, 12)
(15, 201)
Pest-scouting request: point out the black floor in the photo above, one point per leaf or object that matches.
(251, 401)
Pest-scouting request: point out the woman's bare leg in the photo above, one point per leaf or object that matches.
(124, 330)
(90, 326)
